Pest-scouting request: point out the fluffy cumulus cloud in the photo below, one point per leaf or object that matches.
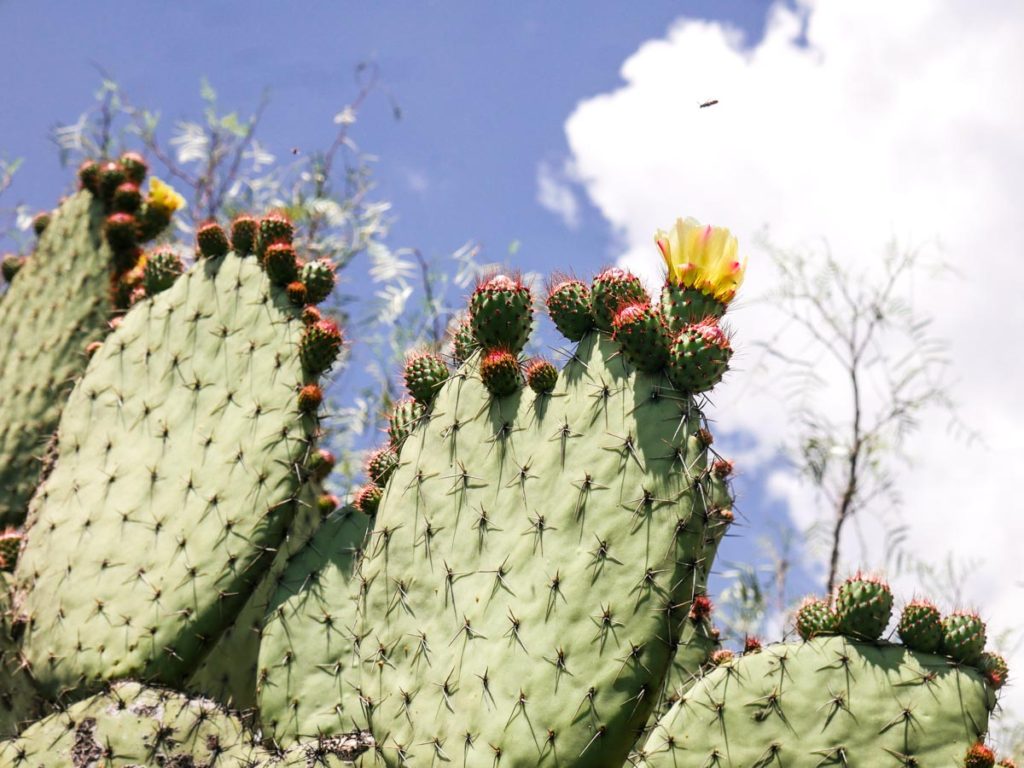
(854, 124)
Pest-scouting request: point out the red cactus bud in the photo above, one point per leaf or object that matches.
(310, 397)
(311, 315)
(701, 608)
(722, 657)
(979, 756)
(296, 291)
(722, 468)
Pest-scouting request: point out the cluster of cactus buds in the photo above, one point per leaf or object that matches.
(861, 608)
(131, 217)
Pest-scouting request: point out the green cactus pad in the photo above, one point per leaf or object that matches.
(19, 701)
(133, 725)
(697, 641)
(863, 607)
(529, 566)
(309, 668)
(179, 464)
(228, 672)
(829, 701)
(57, 306)
(682, 306)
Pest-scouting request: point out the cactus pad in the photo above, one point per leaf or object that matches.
(529, 566)
(132, 725)
(828, 701)
(177, 474)
(228, 672)
(56, 307)
(19, 701)
(308, 681)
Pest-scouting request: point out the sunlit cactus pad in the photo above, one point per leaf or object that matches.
(132, 725)
(531, 560)
(177, 473)
(309, 663)
(57, 305)
(228, 672)
(827, 701)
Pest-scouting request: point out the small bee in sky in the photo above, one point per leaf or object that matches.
(710, 103)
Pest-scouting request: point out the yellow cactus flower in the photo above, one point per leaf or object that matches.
(162, 195)
(702, 257)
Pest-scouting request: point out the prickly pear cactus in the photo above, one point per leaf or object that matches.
(133, 725)
(826, 701)
(58, 305)
(19, 702)
(309, 655)
(531, 561)
(61, 302)
(179, 466)
(695, 642)
(228, 672)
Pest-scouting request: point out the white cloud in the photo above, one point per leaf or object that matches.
(887, 120)
(555, 193)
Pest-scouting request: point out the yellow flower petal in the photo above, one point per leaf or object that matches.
(162, 195)
(702, 257)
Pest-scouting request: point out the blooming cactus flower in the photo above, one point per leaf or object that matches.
(702, 257)
(162, 195)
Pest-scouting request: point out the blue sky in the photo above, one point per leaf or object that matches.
(484, 90)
